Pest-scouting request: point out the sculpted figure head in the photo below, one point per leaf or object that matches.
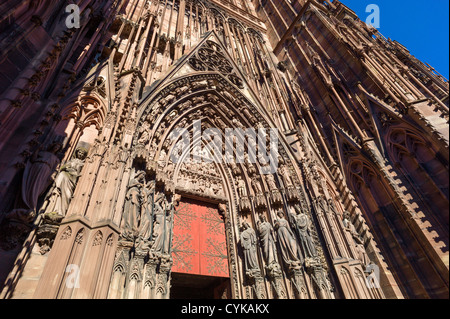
(280, 214)
(81, 153)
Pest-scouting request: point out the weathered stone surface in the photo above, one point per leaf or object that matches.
(93, 175)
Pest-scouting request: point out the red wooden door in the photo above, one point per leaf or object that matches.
(199, 244)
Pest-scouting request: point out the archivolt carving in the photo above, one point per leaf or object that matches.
(186, 110)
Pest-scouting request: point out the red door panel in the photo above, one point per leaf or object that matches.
(199, 244)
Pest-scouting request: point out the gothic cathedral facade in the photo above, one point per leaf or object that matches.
(116, 175)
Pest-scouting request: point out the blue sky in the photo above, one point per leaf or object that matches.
(421, 26)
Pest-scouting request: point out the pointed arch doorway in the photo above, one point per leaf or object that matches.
(199, 250)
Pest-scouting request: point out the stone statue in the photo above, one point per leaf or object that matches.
(158, 223)
(37, 177)
(288, 244)
(162, 226)
(351, 228)
(360, 249)
(170, 210)
(271, 182)
(66, 181)
(286, 175)
(248, 163)
(303, 226)
(144, 133)
(256, 186)
(267, 240)
(332, 206)
(241, 187)
(248, 244)
(323, 204)
(362, 254)
(234, 168)
(133, 201)
(146, 222)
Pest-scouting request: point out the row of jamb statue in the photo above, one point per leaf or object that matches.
(148, 216)
(282, 233)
